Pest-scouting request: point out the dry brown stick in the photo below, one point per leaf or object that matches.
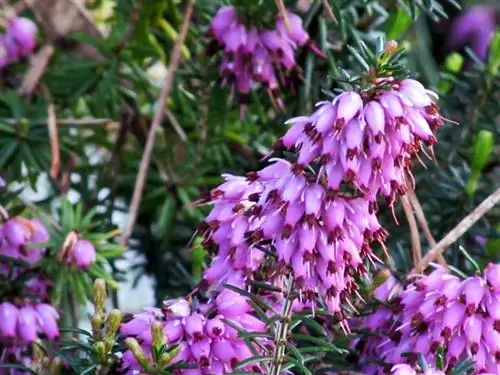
(177, 127)
(157, 120)
(282, 9)
(329, 11)
(422, 221)
(54, 142)
(37, 69)
(40, 212)
(458, 231)
(416, 246)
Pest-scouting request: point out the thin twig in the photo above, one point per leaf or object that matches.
(54, 141)
(458, 231)
(39, 211)
(177, 127)
(157, 120)
(329, 11)
(416, 246)
(37, 69)
(282, 9)
(65, 122)
(282, 328)
(422, 221)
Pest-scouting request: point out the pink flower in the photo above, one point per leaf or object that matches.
(23, 31)
(83, 254)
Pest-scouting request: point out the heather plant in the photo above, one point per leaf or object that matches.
(310, 187)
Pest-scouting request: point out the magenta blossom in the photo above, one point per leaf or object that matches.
(322, 237)
(206, 341)
(368, 139)
(82, 254)
(252, 57)
(439, 311)
(19, 40)
(25, 324)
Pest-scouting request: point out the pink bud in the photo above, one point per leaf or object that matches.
(223, 350)
(295, 30)
(473, 289)
(23, 31)
(349, 105)
(215, 327)
(353, 135)
(492, 274)
(193, 325)
(294, 213)
(83, 253)
(231, 304)
(47, 320)
(201, 351)
(324, 118)
(391, 104)
(374, 117)
(334, 174)
(313, 198)
(174, 330)
(403, 370)
(8, 319)
(334, 214)
(456, 347)
(218, 268)
(294, 188)
(27, 324)
(16, 232)
(176, 308)
(224, 18)
(454, 315)
(296, 131)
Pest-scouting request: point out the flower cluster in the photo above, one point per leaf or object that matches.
(439, 310)
(405, 369)
(26, 317)
(252, 55)
(287, 211)
(18, 41)
(368, 139)
(23, 324)
(204, 336)
(17, 236)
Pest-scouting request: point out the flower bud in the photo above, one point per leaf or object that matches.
(159, 338)
(99, 295)
(113, 321)
(169, 356)
(136, 349)
(101, 352)
(56, 365)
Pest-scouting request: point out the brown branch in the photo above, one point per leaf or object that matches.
(416, 246)
(458, 231)
(329, 11)
(422, 221)
(37, 69)
(157, 120)
(54, 142)
(39, 211)
(177, 127)
(282, 9)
